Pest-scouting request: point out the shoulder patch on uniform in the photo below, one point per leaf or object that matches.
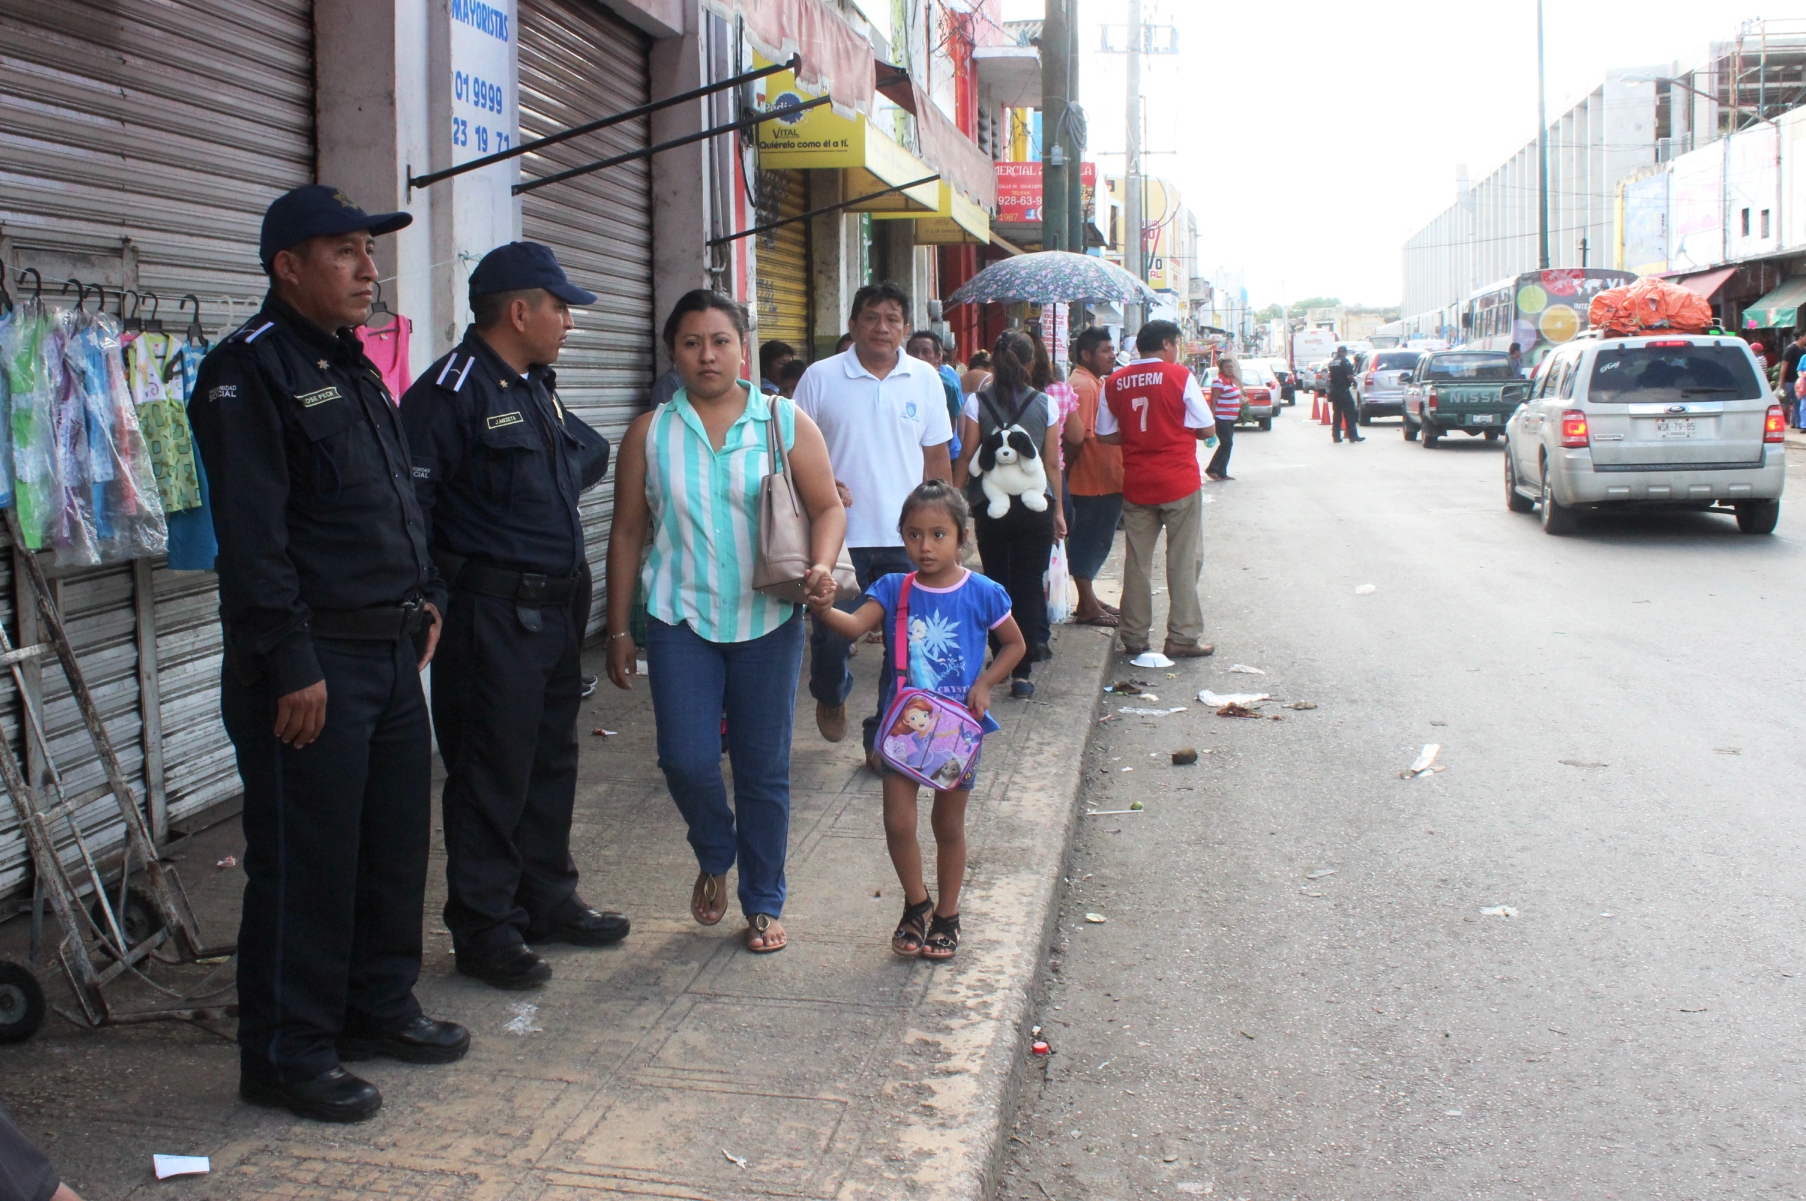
(502, 420)
(310, 399)
(251, 335)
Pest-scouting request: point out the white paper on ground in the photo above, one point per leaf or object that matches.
(1150, 712)
(1217, 701)
(1422, 763)
(181, 1165)
(1366, 590)
(1151, 659)
(1248, 671)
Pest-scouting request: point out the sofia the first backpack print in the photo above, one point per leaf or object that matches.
(926, 737)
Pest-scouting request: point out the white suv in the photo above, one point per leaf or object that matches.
(1679, 420)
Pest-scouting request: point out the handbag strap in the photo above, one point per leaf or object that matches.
(774, 441)
(901, 641)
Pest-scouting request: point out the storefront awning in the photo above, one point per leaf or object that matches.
(869, 160)
(1706, 283)
(956, 221)
(1780, 309)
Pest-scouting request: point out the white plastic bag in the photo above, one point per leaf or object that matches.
(1060, 597)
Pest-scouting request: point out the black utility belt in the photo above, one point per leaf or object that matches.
(521, 587)
(384, 623)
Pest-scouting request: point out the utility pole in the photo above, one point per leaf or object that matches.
(1131, 260)
(1075, 138)
(1583, 252)
(1055, 151)
(1542, 150)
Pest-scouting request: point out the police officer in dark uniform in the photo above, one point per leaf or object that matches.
(499, 463)
(330, 604)
(1341, 396)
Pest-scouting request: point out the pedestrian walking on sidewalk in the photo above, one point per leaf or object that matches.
(1790, 373)
(688, 482)
(1226, 407)
(884, 417)
(499, 466)
(1015, 544)
(1093, 477)
(1156, 412)
(330, 605)
(1341, 376)
(949, 613)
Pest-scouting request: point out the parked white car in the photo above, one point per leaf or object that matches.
(1676, 421)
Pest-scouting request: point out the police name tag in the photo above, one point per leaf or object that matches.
(503, 420)
(310, 399)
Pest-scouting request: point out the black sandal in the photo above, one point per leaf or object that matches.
(913, 929)
(943, 938)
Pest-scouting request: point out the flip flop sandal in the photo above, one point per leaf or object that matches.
(756, 927)
(1107, 620)
(913, 929)
(943, 938)
(709, 892)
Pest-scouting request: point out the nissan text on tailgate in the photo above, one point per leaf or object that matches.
(1469, 391)
(1683, 421)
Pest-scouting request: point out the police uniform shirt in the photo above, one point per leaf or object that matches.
(308, 468)
(499, 462)
(1341, 375)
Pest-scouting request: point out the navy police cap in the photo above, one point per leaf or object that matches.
(519, 266)
(318, 211)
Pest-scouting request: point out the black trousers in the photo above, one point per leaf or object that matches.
(1342, 416)
(505, 703)
(1015, 550)
(1219, 462)
(336, 840)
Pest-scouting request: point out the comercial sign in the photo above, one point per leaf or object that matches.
(485, 114)
(1019, 191)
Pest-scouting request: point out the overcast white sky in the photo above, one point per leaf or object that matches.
(1313, 138)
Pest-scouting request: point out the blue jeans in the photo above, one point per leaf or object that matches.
(829, 680)
(694, 682)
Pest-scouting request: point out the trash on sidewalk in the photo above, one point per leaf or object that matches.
(181, 1165)
(1366, 590)
(1136, 806)
(1247, 671)
(1685, 1009)
(599, 732)
(1126, 687)
(1151, 659)
(1582, 763)
(1108, 812)
(1424, 763)
(1498, 911)
(522, 1022)
(1040, 1047)
(1234, 710)
(1185, 758)
(1320, 873)
(734, 1159)
(1217, 700)
(228, 861)
(1151, 712)
(1096, 917)
(1302, 705)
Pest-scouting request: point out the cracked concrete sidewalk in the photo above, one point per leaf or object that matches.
(833, 1069)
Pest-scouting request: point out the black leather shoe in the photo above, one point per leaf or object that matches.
(514, 968)
(421, 1041)
(338, 1096)
(588, 928)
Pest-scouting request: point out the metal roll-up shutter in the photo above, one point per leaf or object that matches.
(578, 63)
(140, 147)
(782, 260)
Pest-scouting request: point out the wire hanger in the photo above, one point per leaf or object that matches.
(196, 335)
(379, 309)
(37, 283)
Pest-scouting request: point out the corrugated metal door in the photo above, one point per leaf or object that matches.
(578, 63)
(782, 260)
(141, 145)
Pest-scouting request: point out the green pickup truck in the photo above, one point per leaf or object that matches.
(1473, 391)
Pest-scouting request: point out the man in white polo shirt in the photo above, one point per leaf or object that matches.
(884, 416)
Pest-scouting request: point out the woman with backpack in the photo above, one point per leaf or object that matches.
(1010, 432)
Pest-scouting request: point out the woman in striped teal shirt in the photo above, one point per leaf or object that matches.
(687, 482)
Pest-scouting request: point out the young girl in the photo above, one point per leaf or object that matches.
(951, 612)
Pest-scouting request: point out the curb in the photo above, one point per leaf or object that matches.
(976, 1020)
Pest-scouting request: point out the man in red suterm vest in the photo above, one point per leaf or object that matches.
(1155, 411)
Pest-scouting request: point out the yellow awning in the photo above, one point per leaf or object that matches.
(868, 160)
(956, 221)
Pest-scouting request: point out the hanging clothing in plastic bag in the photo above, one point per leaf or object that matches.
(7, 317)
(192, 543)
(387, 347)
(153, 367)
(30, 355)
(110, 509)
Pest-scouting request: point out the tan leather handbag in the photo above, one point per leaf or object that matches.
(784, 555)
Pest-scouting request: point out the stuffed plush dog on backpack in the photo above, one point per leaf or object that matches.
(1007, 466)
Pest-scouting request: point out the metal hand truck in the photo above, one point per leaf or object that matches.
(121, 934)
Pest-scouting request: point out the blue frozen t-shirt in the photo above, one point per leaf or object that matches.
(947, 630)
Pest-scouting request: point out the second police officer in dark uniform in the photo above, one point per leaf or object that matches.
(499, 463)
(329, 602)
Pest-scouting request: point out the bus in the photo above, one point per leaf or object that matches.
(1538, 310)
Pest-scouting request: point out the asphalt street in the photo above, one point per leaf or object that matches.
(1297, 990)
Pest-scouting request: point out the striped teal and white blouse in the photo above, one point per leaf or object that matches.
(705, 519)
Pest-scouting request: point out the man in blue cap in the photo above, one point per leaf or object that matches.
(499, 464)
(330, 603)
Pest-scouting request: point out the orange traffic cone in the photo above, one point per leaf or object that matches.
(1328, 410)
(1316, 407)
